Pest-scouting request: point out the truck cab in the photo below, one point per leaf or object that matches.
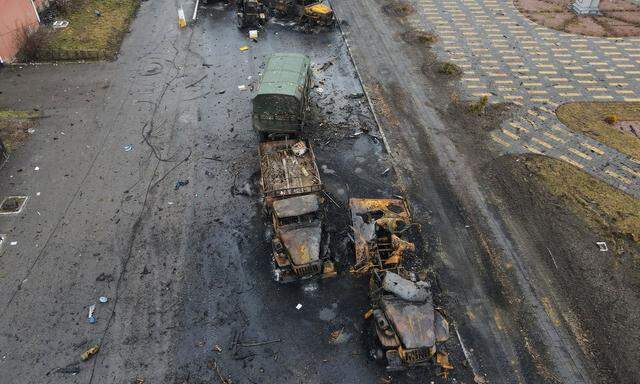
(297, 224)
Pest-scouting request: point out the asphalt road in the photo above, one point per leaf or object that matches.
(186, 269)
(500, 295)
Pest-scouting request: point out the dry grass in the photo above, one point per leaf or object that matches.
(14, 126)
(480, 105)
(605, 208)
(86, 31)
(450, 69)
(591, 119)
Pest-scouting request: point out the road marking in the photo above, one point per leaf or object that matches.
(578, 153)
(532, 149)
(572, 162)
(617, 176)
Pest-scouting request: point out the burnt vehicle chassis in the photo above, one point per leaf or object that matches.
(405, 324)
(378, 227)
(290, 183)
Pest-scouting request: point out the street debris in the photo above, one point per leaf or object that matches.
(217, 348)
(13, 243)
(105, 277)
(86, 355)
(251, 13)
(103, 299)
(182, 21)
(127, 147)
(180, 184)
(242, 87)
(354, 95)
(260, 343)
(36, 168)
(244, 48)
(196, 82)
(602, 245)
(91, 319)
(60, 24)
(222, 379)
(299, 148)
(70, 369)
(299, 306)
(253, 34)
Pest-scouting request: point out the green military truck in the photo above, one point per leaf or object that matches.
(280, 104)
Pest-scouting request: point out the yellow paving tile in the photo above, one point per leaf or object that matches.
(510, 134)
(631, 171)
(578, 153)
(499, 140)
(532, 149)
(541, 142)
(617, 176)
(570, 94)
(554, 137)
(572, 162)
(592, 148)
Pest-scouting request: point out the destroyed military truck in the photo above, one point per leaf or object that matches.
(251, 13)
(290, 184)
(280, 104)
(378, 228)
(407, 328)
(306, 11)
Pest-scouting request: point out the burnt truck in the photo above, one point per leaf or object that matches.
(378, 226)
(290, 183)
(406, 325)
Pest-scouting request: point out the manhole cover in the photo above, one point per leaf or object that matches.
(12, 204)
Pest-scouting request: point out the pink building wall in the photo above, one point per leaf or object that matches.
(14, 16)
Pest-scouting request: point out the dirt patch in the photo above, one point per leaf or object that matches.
(597, 291)
(618, 18)
(597, 120)
(398, 8)
(606, 209)
(15, 127)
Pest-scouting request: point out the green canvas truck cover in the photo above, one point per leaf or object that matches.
(281, 91)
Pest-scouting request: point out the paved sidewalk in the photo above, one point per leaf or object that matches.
(510, 58)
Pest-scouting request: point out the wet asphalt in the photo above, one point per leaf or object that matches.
(185, 267)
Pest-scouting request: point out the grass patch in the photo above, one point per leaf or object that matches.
(450, 69)
(88, 32)
(606, 209)
(14, 127)
(480, 105)
(596, 121)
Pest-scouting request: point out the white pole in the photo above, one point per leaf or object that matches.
(195, 11)
(35, 10)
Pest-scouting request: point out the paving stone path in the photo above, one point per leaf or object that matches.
(510, 58)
